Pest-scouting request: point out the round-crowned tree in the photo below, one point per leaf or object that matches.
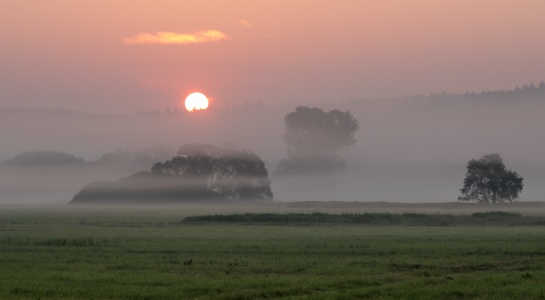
(314, 137)
(488, 181)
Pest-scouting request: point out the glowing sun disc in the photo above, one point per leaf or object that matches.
(196, 101)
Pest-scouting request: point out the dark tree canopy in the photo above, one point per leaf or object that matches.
(197, 172)
(488, 181)
(314, 137)
(234, 174)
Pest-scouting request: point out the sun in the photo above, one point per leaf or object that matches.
(196, 101)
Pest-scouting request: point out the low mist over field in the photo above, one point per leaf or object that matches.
(411, 149)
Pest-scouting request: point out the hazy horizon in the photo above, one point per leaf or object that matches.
(408, 149)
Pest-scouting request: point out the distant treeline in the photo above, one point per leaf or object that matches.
(527, 91)
(382, 219)
(145, 157)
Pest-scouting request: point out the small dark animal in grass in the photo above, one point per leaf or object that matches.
(188, 262)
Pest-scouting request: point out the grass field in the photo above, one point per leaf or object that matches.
(150, 253)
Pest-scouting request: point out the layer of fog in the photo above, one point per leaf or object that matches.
(409, 150)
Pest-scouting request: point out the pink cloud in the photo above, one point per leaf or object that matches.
(166, 37)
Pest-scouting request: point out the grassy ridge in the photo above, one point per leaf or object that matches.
(382, 219)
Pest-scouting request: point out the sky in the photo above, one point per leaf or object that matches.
(127, 56)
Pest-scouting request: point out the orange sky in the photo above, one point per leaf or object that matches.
(79, 54)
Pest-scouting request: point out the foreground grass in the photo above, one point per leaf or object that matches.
(134, 255)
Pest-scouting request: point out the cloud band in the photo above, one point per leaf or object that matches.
(166, 37)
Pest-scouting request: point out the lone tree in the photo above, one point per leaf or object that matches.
(487, 181)
(314, 137)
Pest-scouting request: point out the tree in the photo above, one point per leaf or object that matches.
(198, 172)
(43, 158)
(231, 173)
(143, 157)
(487, 181)
(314, 138)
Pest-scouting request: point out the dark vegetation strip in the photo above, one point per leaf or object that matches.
(406, 219)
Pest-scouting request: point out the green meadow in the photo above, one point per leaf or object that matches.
(74, 252)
